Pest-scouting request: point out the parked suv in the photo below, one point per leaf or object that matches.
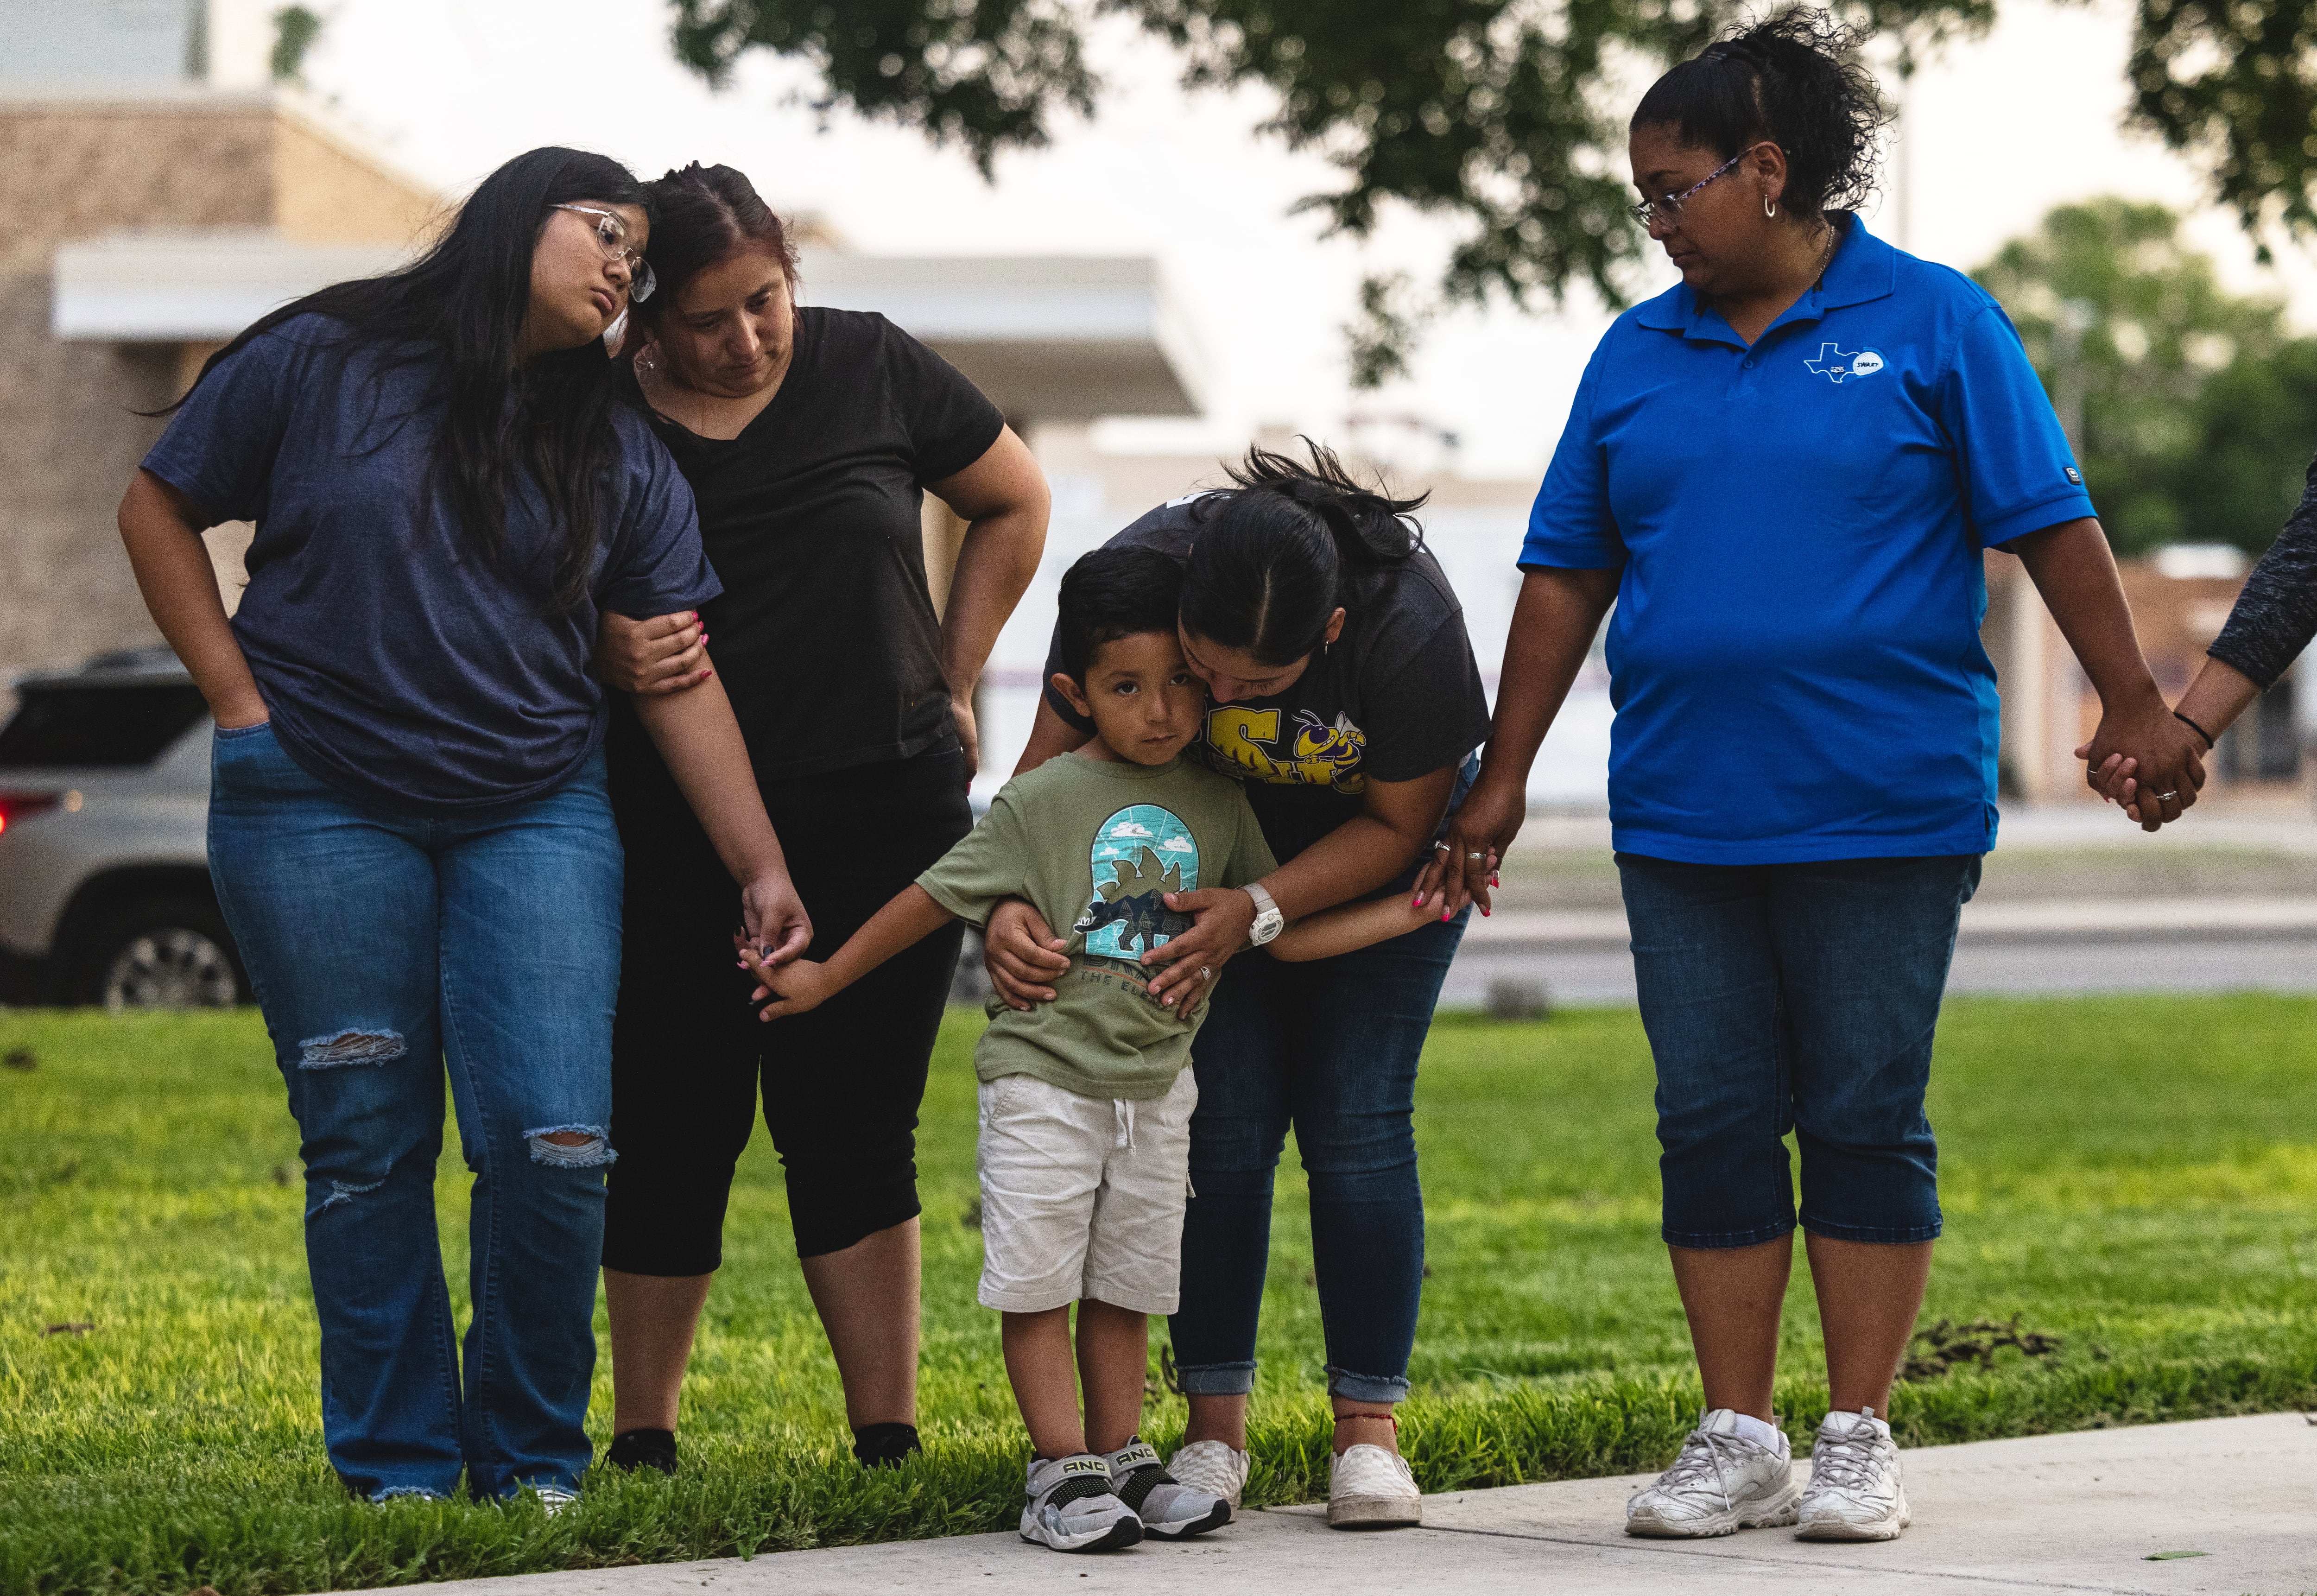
(104, 877)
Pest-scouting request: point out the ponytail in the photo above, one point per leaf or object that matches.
(1795, 80)
(1271, 564)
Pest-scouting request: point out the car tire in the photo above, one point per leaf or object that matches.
(160, 952)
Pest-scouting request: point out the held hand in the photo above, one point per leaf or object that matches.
(2146, 761)
(968, 734)
(1023, 955)
(1221, 917)
(1486, 825)
(665, 654)
(778, 929)
(797, 987)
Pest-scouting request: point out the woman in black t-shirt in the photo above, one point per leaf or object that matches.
(1347, 700)
(809, 437)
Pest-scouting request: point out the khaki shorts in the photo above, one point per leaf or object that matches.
(1082, 1197)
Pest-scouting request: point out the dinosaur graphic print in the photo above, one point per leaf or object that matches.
(1140, 853)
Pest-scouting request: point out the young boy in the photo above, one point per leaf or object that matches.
(1085, 1104)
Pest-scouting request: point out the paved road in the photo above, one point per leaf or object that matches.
(2092, 1511)
(2066, 946)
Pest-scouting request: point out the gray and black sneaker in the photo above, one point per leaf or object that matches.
(1073, 1508)
(1169, 1509)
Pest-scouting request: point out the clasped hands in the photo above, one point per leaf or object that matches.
(2146, 759)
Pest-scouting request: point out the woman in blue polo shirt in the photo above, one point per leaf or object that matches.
(1782, 472)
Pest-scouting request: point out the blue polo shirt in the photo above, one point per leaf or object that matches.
(1794, 656)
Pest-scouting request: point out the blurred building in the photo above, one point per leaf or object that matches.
(2180, 598)
(164, 191)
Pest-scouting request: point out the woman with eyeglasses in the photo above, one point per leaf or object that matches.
(810, 436)
(409, 830)
(1782, 472)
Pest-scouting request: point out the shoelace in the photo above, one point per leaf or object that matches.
(1845, 1462)
(1704, 1452)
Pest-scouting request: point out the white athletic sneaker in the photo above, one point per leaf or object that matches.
(554, 1498)
(1720, 1483)
(1369, 1488)
(1169, 1509)
(1211, 1466)
(1072, 1507)
(1854, 1491)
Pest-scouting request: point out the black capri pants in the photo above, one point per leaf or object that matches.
(841, 1085)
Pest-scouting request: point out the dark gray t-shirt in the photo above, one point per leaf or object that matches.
(399, 666)
(1397, 696)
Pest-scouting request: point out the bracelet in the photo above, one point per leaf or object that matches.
(1387, 1418)
(2210, 742)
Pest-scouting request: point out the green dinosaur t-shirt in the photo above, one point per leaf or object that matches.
(1094, 844)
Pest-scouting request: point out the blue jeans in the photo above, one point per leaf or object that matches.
(1329, 1046)
(1794, 997)
(380, 945)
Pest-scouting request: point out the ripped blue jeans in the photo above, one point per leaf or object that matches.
(383, 947)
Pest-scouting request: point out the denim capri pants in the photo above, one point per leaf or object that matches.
(1794, 997)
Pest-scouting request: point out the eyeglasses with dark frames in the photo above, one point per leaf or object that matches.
(1666, 207)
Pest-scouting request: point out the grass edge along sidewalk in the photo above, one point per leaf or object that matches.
(172, 1540)
(2138, 1176)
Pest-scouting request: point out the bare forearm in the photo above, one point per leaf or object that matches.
(911, 917)
(700, 742)
(2219, 694)
(994, 568)
(180, 588)
(1051, 736)
(1347, 929)
(2072, 568)
(1553, 623)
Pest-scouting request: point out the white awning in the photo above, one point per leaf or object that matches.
(1048, 338)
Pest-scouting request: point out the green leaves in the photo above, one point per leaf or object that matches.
(2198, 410)
(2235, 84)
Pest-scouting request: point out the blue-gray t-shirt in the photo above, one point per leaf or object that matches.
(401, 666)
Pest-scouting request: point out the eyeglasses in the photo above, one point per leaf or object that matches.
(1666, 207)
(612, 237)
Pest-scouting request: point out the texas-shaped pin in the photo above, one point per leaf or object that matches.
(1834, 365)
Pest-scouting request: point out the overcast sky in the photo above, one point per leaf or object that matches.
(1995, 134)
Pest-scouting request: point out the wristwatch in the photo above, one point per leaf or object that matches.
(1268, 921)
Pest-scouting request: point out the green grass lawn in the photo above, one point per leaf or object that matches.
(2137, 1177)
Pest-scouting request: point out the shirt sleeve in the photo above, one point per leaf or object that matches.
(1250, 857)
(1426, 710)
(2275, 615)
(2017, 473)
(949, 422)
(220, 449)
(990, 864)
(657, 566)
(1570, 527)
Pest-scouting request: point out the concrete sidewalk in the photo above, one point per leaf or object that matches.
(2068, 1512)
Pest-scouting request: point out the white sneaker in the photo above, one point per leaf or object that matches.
(554, 1498)
(1168, 1508)
(1369, 1488)
(1072, 1508)
(1212, 1467)
(1720, 1483)
(1854, 1491)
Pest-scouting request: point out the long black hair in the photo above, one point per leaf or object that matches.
(1281, 550)
(1795, 80)
(459, 308)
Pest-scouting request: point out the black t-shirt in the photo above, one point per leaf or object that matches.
(826, 637)
(1397, 696)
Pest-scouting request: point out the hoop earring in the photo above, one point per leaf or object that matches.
(1768, 207)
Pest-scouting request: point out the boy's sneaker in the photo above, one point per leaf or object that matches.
(632, 1449)
(1169, 1509)
(1853, 1492)
(1369, 1488)
(1720, 1483)
(1072, 1507)
(1212, 1467)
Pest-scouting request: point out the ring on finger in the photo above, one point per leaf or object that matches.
(1205, 974)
